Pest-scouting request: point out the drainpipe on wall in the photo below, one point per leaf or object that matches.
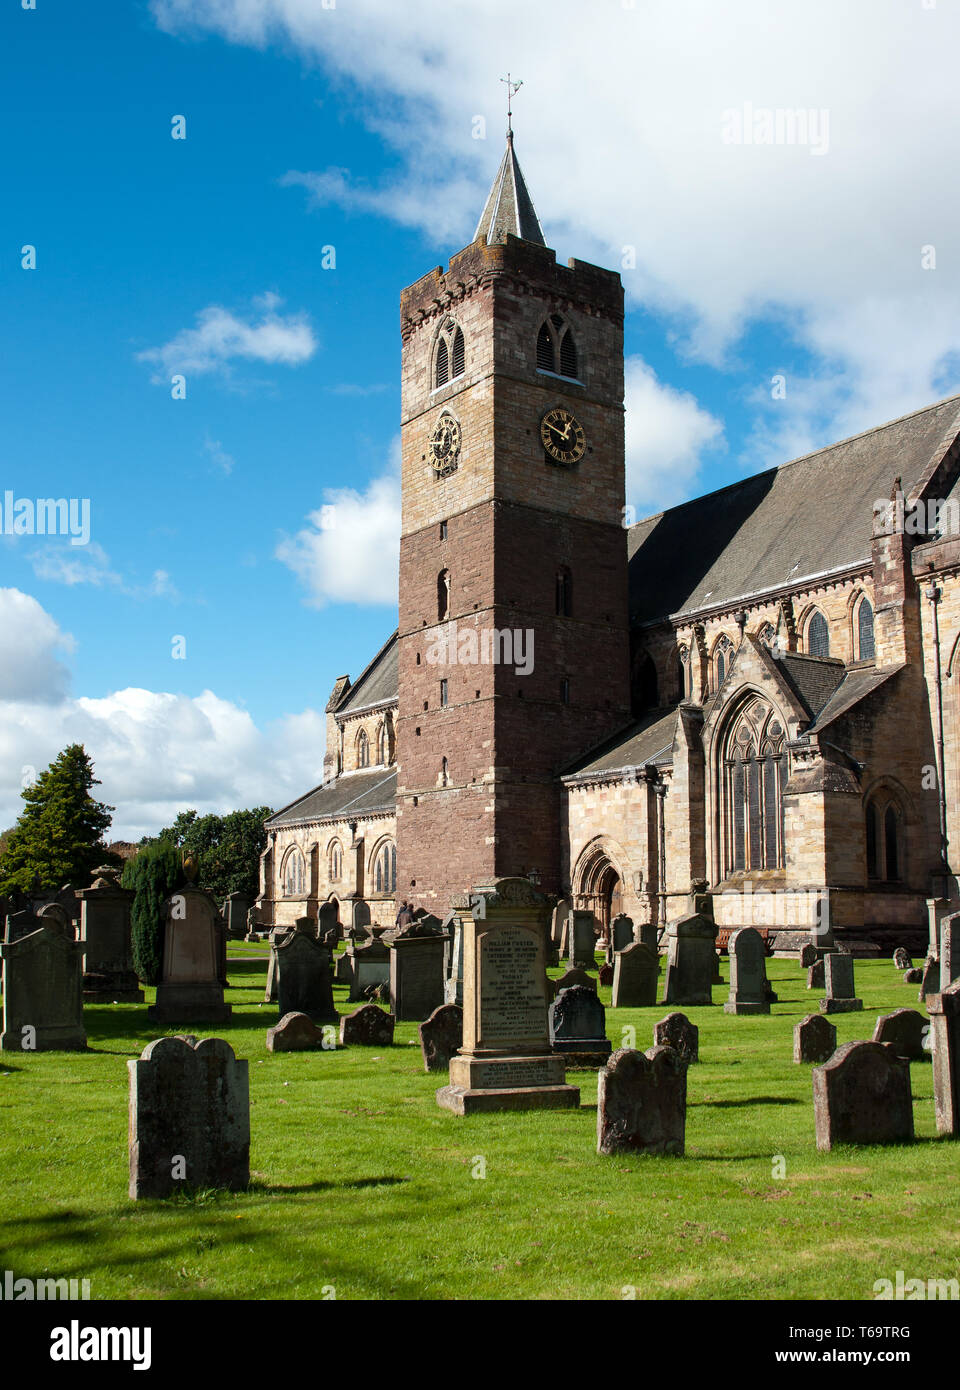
(934, 594)
(661, 792)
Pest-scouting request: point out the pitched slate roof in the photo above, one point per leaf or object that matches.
(813, 679)
(351, 795)
(649, 740)
(509, 207)
(856, 686)
(805, 518)
(378, 681)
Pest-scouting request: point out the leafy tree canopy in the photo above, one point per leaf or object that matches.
(58, 838)
(228, 848)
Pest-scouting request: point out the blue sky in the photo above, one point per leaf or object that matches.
(307, 128)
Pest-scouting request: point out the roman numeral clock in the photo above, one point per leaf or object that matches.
(562, 437)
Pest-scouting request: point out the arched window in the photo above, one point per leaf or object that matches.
(564, 593)
(753, 769)
(557, 349)
(884, 838)
(644, 685)
(818, 635)
(336, 861)
(385, 869)
(683, 673)
(383, 744)
(722, 655)
(443, 595)
(363, 749)
(450, 359)
(444, 773)
(865, 647)
(767, 635)
(294, 874)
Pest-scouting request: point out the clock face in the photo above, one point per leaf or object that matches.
(445, 445)
(562, 436)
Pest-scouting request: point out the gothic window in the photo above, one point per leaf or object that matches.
(450, 359)
(818, 635)
(336, 861)
(753, 769)
(722, 656)
(683, 673)
(443, 595)
(444, 694)
(556, 348)
(444, 773)
(565, 690)
(564, 593)
(767, 635)
(383, 745)
(865, 647)
(884, 837)
(385, 869)
(294, 874)
(363, 749)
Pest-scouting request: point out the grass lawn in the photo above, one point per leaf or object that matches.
(362, 1184)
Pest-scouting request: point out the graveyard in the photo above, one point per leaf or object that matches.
(363, 1187)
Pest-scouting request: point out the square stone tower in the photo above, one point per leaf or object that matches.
(513, 645)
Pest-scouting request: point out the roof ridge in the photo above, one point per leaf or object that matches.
(352, 689)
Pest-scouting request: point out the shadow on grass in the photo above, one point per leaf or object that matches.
(321, 1185)
(750, 1100)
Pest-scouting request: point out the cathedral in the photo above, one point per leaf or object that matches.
(756, 693)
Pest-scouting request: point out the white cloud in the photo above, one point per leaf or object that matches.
(72, 565)
(218, 456)
(155, 753)
(666, 435)
(828, 248)
(349, 551)
(220, 337)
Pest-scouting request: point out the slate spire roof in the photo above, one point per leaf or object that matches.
(509, 207)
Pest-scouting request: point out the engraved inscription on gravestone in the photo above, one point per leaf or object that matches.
(512, 997)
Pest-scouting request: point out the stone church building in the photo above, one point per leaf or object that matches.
(759, 689)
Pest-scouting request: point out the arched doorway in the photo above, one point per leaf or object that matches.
(598, 886)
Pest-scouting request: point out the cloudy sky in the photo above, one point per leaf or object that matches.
(774, 179)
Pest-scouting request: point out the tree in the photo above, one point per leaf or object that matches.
(154, 874)
(228, 848)
(58, 838)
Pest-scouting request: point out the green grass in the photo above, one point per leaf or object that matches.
(361, 1182)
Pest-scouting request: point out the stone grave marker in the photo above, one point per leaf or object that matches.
(583, 940)
(298, 1033)
(816, 975)
(558, 925)
(691, 960)
(453, 984)
(278, 935)
(42, 993)
(189, 1118)
(368, 1026)
(108, 973)
(20, 924)
(621, 931)
(506, 1061)
(949, 951)
(808, 955)
(636, 970)
(902, 958)
(369, 965)
(748, 973)
(930, 981)
(191, 988)
(678, 1032)
(56, 915)
(328, 920)
(650, 936)
(416, 972)
(862, 1096)
(642, 1102)
(814, 1039)
(913, 976)
(441, 1036)
(360, 916)
(605, 974)
(906, 1031)
(578, 1027)
(574, 977)
(253, 925)
(838, 983)
(305, 978)
(235, 909)
(944, 1011)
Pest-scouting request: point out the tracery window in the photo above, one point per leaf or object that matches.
(294, 874)
(450, 358)
(336, 861)
(556, 348)
(722, 656)
(753, 770)
(865, 647)
(818, 635)
(385, 869)
(884, 835)
(363, 749)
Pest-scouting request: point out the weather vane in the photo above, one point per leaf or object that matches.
(512, 89)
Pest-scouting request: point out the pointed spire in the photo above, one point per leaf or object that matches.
(509, 207)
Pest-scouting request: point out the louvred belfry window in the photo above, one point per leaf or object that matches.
(753, 769)
(450, 359)
(557, 349)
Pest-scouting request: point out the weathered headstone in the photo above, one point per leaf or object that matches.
(621, 931)
(506, 1061)
(328, 920)
(691, 960)
(189, 1118)
(748, 973)
(578, 1027)
(583, 940)
(368, 1026)
(56, 915)
(944, 1011)
(441, 1035)
(913, 976)
(906, 1031)
(235, 909)
(416, 974)
(369, 965)
(949, 951)
(930, 981)
(649, 935)
(42, 1000)
(453, 984)
(838, 984)
(278, 935)
(574, 977)
(305, 978)
(862, 1096)
(360, 914)
(808, 955)
(558, 924)
(678, 1032)
(816, 977)
(814, 1039)
(108, 973)
(20, 924)
(902, 959)
(253, 925)
(298, 1033)
(605, 974)
(190, 988)
(642, 1102)
(636, 970)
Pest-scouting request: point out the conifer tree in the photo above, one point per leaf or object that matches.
(58, 838)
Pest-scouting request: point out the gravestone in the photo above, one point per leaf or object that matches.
(808, 955)
(21, 923)
(253, 925)
(642, 1102)
(949, 951)
(636, 970)
(862, 1096)
(453, 984)
(328, 920)
(650, 936)
(605, 974)
(838, 983)
(298, 1033)
(814, 1039)
(816, 976)
(902, 959)
(108, 973)
(583, 940)
(913, 976)
(42, 993)
(574, 977)
(906, 1031)
(189, 1118)
(276, 936)
(369, 965)
(558, 925)
(578, 1027)
(930, 981)
(441, 1035)
(56, 916)
(190, 988)
(416, 973)
(621, 931)
(748, 973)
(691, 960)
(236, 906)
(678, 1032)
(368, 1026)
(506, 1061)
(944, 1011)
(360, 915)
(305, 978)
